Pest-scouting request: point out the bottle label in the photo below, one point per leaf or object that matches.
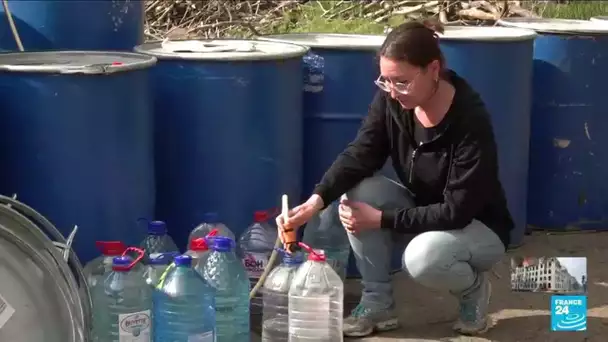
(255, 263)
(204, 337)
(134, 327)
(6, 311)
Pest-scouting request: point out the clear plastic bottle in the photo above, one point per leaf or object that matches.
(329, 237)
(99, 267)
(158, 241)
(157, 265)
(199, 248)
(275, 326)
(211, 221)
(124, 307)
(225, 272)
(316, 301)
(184, 305)
(255, 246)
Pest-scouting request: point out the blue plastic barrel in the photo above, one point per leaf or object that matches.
(568, 155)
(497, 63)
(76, 141)
(339, 85)
(74, 24)
(340, 70)
(228, 130)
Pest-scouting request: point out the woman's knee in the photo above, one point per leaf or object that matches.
(382, 193)
(437, 259)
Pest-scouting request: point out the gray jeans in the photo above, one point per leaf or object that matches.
(445, 260)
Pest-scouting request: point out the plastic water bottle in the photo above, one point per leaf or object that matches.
(210, 222)
(184, 305)
(157, 265)
(255, 246)
(158, 241)
(99, 267)
(199, 248)
(124, 307)
(325, 232)
(225, 272)
(275, 326)
(316, 301)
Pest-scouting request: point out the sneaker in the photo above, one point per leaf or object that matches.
(363, 321)
(474, 318)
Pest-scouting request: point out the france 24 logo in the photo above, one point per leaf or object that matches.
(568, 313)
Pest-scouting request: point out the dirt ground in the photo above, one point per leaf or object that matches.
(427, 315)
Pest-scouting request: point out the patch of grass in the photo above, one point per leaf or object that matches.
(310, 17)
(576, 9)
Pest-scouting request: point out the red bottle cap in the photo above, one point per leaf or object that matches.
(199, 245)
(111, 247)
(313, 255)
(260, 216)
(317, 256)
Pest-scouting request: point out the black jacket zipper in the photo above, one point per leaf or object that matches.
(412, 163)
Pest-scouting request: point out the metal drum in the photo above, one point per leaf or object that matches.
(568, 158)
(36, 283)
(74, 24)
(497, 62)
(339, 74)
(228, 129)
(76, 138)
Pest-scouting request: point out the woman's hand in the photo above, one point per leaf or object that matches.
(298, 217)
(358, 216)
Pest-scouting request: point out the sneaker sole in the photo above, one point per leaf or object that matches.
(490, 321)
(387, 325)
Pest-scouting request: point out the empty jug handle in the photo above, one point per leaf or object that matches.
(140, 255)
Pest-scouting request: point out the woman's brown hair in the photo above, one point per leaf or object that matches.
(414, 42)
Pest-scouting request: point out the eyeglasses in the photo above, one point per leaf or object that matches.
(402, 88)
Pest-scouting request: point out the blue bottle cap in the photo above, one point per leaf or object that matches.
(222, 244)
(211, 217)
(162, 258)
(183, 260)
(157, 228)
(293, 259)
(122, 261)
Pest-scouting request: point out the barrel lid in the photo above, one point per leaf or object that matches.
(484, 33)
(74, 62)
(558, 26)
(335, 41)
(221, 50)
(26, 232)
(40, 227)
(29, 290)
